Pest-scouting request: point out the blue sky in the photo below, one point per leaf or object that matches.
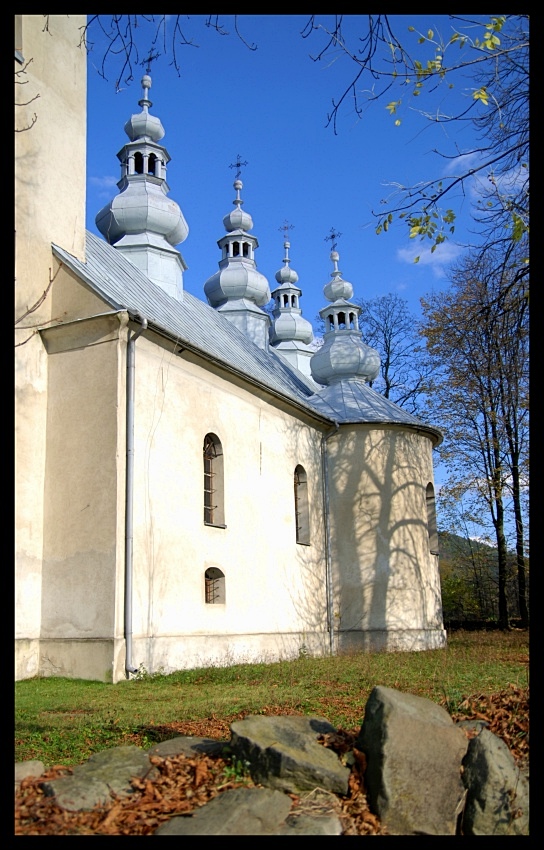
(270, 107)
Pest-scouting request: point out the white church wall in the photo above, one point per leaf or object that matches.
(47, 209)
(83, 559)
(275, 588)
(387, 586)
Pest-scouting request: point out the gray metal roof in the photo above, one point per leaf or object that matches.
(351, 400)
(196, 325)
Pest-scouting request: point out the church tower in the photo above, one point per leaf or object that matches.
(238, 290)
(141, 221)
(290, 333)
(343, 355)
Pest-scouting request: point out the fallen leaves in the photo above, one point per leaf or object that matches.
(185, 783)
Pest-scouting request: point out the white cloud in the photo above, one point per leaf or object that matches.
(104, 185)
(444, 255)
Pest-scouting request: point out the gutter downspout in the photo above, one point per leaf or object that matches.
(328, 565)
(129, 492)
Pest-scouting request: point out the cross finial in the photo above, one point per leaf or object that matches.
(151, 58)
(238, 164)
(285, 227)
(332, 238)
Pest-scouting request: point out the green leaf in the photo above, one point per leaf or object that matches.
(430, 34)
(416, 260)
(411, 29)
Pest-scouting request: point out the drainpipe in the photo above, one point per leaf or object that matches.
(328, 565)
(129, 493)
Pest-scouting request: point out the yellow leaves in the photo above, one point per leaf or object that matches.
(384, 226)
(518, 227)
(392, 107)
(481, 95)
(398, 122)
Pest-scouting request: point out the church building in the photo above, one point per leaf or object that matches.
(196, 482)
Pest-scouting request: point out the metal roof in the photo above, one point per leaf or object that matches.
(196, 325)
(351, 400)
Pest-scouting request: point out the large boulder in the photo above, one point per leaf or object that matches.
(497, 793)
(414, 753)
(283, 753)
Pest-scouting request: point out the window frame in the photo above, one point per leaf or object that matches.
(213, 467)
(302, 506)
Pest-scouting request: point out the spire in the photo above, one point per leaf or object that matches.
(141, 221)
(238, 290)
(290, 333)
(343, 355)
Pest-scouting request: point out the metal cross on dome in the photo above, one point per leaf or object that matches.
(238, 164)
(332, 238)
(285, 227)
(151, 58)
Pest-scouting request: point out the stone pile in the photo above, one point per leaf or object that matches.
(424, 775)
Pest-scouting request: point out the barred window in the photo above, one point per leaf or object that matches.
(214, 586)
(431, 520)
(214, 510)
(302, 513)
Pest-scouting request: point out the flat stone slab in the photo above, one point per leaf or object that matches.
(23, 769)
(188, 745)
(105, 772)
(283, 752)
(239, 811)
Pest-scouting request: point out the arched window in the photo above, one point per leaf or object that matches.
(214, 509)
(138, 163)
(214, 586)
(431, 520)
(302, 512)
(151, 166)
(235, 249)
(245, 249)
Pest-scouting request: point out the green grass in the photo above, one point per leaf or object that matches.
(63, 721)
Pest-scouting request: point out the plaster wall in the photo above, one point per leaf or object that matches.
(275, 588)
(83, 564)
(386, 582)
(49, 206)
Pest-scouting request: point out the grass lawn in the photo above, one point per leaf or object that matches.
(64, 721)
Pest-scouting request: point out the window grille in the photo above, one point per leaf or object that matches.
(302, 514)
(214, 586)
(214, 513)
(210, 455)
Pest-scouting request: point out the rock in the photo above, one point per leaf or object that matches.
(497, 792)
(93, 782)
(27, 768)
(188, 745)
(253, 811)
(283, 753)
(414, 753)
(240, 811)
(422, 775)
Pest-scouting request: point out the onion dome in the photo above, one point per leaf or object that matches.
(238, 290)
(141, 221)
(343, 355)
(288, 323)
